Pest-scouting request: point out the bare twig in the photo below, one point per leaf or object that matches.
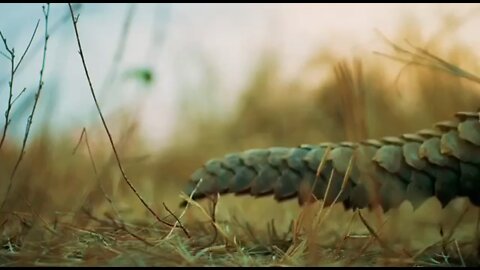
(347, 234)
(18, 96)
(10, 90)
(113, 223)
(214, 219)
(28, 46)
(79, 141)
(121, 226)
(38, 216)
(55, 26)
(10, 51)
(177, 220)
(185, 208)
(104, 193)
(92, 91)
(13, 69)
(204, 212)
(145, 241)
(46, 13)
(374, 234)
(84, 132)
(89, 214)
(6, 56)
(100, 175)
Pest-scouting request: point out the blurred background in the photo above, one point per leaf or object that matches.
(182, 83)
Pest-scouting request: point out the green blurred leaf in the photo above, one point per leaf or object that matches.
(144, 75)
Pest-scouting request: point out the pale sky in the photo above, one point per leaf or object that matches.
(199, 42)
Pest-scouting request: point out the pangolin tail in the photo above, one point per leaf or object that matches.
(443, 162)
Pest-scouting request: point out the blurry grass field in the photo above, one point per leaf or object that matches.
(71, 206)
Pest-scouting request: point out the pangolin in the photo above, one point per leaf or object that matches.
(443, 161)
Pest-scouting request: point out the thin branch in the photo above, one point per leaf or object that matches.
(55, 26)
(79, 141)
(204, 212)
(214, 218)
(100, 175)
(10, 90)
(121, 226)
(84, 132)
(185, 209)
(10, 51)
(146, 242)
(37, 96)
(28, 46)
(18, 96)
(104, 193)
(6, 56)
(347, 235)
(38, 216)
(124, 176)
(177, 220)
(374, 234)
(13, 69)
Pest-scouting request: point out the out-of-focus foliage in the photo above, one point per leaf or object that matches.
(143, 75)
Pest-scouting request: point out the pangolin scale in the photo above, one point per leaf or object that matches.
(443, 162)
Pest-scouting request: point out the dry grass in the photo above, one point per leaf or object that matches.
(71, 205)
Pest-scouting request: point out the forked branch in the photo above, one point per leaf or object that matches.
(92, 91)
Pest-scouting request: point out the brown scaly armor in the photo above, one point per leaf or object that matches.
(443, 162)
